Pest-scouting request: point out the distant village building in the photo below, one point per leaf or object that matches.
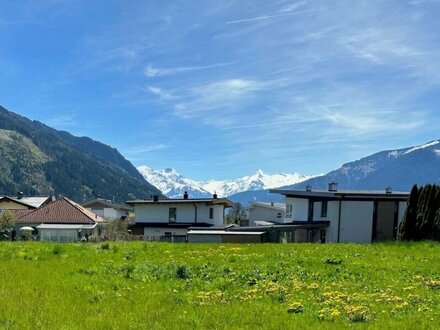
(22, 202)
(107, 209)
(264, 213)
(352, 215)
(158, 219)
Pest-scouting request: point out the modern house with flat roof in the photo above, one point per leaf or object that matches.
(360, 216)
(157, 218)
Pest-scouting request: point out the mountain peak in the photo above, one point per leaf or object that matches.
(173, 184)
(259, 172)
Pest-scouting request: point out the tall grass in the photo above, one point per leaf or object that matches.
(135, 285)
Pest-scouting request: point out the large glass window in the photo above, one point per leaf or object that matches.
(172, 214)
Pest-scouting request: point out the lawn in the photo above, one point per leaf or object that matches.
(135, 285)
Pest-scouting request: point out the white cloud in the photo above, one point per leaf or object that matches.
(151, 71)
(62, 121)
(271, 16)
(146, 149)
(161, 93)
(228, 95)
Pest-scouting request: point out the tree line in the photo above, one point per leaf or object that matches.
(421, 220)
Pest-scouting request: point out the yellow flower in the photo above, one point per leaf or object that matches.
(295, 307)
(335, 313)
(313, 286)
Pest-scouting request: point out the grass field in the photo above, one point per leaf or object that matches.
(136, 285)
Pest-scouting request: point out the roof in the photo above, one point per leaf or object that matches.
(344, 194)
(208, 201)
(169, 225)
(223, 227)
(224, 232)
(62, 210)
(275, 206)
(287, 226)
(20, 213)
(29, 201)
(107, 203)
(64, 226)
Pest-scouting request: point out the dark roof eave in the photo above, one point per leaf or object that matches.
(338, 195)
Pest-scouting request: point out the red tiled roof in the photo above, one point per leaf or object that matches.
(21, 213)
(62, 210)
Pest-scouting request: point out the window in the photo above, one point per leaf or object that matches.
(211, 213)
(172, 214)
(288, 210)
(311, 210)
(324, 206)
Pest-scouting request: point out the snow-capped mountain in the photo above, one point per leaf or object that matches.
(400, 169)
(173, 184)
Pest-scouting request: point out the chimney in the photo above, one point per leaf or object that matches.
(215, 195)
(308, 188)
(332, 186)
(20, 195)
(185, 195)
(155, 198)
(388, 190)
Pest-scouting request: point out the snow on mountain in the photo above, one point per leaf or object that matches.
(400, 169)
(424, 146)
(173, 184)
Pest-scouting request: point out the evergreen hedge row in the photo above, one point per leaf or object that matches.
(421, 220)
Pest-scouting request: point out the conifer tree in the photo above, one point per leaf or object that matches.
(408, 225)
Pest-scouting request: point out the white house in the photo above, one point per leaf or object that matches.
(107, 209)
(352, 215)
(157, 218)
(62, 220)
(261, 212)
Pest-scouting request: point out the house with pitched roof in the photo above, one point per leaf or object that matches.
(157, 218)
(62, 220)
(107, 209)
(21, 202)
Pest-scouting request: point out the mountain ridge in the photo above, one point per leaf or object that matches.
(173, 184)
(398, 168)
(78, 167)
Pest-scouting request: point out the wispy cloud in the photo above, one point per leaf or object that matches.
(230, 95)
(146, 149)
(62, 121)
(285, 11)
(161, 93)
(151, 71)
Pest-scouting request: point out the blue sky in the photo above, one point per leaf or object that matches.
(219, 89)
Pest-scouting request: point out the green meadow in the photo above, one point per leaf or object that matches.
(136, 285)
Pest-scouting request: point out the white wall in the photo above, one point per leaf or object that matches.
(333, 217)
(185, 212)
(156, 233)
(356, 221)
(300, 209)
(109, 213)
(261, 213)
(402, 209)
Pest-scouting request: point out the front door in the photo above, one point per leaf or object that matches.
(385, 221)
